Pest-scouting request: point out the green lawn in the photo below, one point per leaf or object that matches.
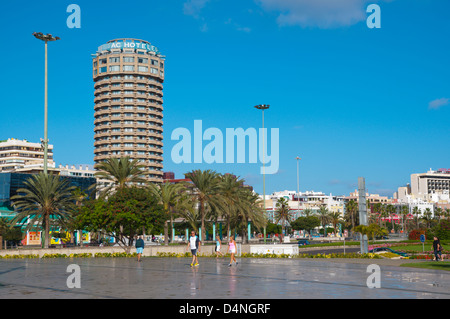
(438, 265)
(419, 248)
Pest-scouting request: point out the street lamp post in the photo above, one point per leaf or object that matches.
(298, 187)
(46, 38)
(263, 107)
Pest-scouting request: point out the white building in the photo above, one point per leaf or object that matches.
(424, 185)
(17, 154)
(299, 202)
(421, 204)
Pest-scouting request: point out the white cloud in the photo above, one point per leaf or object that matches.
(438, 103)
(193, 7)
(237, 26)
(318, 13)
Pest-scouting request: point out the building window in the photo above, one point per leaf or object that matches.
(128, 59)
(143, 68)
(128, 67)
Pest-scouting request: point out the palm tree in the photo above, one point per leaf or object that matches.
(404, 211)
(390, 211)
(335, 219)
(427, 216)
(205, 186)
(438, 212)
(416, 212)
(282, 214)
(324, 216)
(250, 210)
(352, 208)
(377, 209)
(120, 173)
(446, 213)
(231, 190)
(171, 197)
(79, 196)
(307, 212)
(43, 197)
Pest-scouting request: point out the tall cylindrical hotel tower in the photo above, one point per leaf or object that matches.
(129, 76)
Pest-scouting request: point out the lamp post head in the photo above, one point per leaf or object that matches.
(298, 158)
(262, 106)
(45, 37)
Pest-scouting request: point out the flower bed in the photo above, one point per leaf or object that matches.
(80, 255)
(252, 255)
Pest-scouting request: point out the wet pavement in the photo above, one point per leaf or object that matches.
(173, 278)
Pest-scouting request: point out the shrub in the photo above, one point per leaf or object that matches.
(442, 230)
(415, 234)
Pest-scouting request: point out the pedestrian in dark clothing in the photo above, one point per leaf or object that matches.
(139, 247)
(437, 247)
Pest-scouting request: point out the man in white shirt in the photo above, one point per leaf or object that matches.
(194, 245)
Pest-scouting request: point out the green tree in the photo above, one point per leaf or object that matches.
(123, 216)
(204, 190)
(390, 210)
(172, 198)
(231, 190)
(442, 229)
(427, 217)
(351, 208)
(373, 230)
(120, 173)
(404, 212)
(9, 232)
(282, 214)
(43, 198)
(335, 219)
(324, 216)
(249, 211)
(416, 212)
(306, 223)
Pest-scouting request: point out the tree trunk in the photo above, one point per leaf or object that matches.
(46, 231)
(166, 236)
(202, 214)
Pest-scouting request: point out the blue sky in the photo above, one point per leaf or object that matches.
(349, 100)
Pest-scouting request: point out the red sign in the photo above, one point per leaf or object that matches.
(444, 170)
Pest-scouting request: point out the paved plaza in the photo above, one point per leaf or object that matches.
(173, 278)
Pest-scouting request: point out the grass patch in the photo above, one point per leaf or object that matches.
(418, 248)
(437, 265)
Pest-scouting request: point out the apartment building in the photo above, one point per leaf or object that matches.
(425, 185)
(16, 154)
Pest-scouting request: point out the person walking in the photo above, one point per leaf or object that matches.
(218, 245)
(139, 247)
(437, 247)
(194, 244)
(232, 250)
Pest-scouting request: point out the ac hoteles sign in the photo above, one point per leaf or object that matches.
(128, 44)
